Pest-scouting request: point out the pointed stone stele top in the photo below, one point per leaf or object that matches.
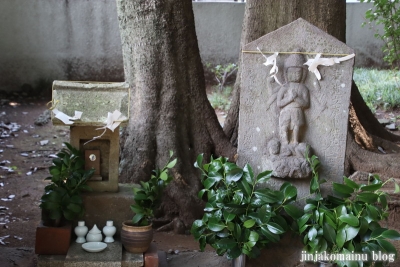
(321, 117)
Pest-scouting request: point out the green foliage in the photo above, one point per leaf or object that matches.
(221, 99)
(222, 72)
(239, 217)
(386, 12)
(148, 196)
(348, 221)
(62, 199)
(379, 88)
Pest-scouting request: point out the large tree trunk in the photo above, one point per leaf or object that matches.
(366, 138)
(169, 106)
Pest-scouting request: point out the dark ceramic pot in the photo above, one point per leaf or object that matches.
(136, 239)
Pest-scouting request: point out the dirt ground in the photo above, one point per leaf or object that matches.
(25, 156)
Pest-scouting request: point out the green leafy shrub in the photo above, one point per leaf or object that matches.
(387, 13)
(222, 72)
(148, 196)
(221, 99)
(62, 198)
(347, 222)
(239, 217)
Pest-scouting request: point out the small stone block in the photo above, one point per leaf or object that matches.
(50, 260)
(111, 256)
(151, 256)
(162, 259)
(384, 121)
(132, 259)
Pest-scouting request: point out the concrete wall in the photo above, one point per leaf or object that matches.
(361, 39)
(46, 40)
(58, 39)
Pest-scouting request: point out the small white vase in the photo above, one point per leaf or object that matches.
(80, 231)
(94, 235)
(109, 230)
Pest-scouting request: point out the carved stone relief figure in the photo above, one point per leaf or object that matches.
(287, 155)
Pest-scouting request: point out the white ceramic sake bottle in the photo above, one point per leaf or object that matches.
(80, 231)
(109, 230)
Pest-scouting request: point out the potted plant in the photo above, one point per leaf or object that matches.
(62, 202)
(137, 234)
(240, 218)
(344, 229)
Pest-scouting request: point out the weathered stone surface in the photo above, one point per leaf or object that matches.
(103, 206)
(111, 256)
(132, 259)
(108, 144)
(94, 99)
(302, 111)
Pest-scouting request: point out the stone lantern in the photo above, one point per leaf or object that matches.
(94, 111)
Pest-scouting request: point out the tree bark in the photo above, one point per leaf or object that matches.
(169, 109)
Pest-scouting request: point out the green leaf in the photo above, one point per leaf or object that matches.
(363, 226)
(164, 175)
(270, 236)
(263, 176)
(249, 223)
(329, 233)
(226, 243)
(237, 231)
(391, 234)
(377, 232)
(351, 183)
(293, 211)
(209, 182)
(201, 193)
(351, 232)
(367, 197)
(215, 225)
(269, 196)
(312, 233)
(303, 220)
(314, 185)
(342, 190)
(209, 207)
(275, 228)
(137, 218)
(387, 246)
(254, 236)
(290, 192)
(74, 207)
(340, 237)
(383, 201)
(244, 187)
(349, 219)
(309, 207)
(248, 174)
(397, 188)
(171, 164)
(235, 208)
(234, 175)
(371, 187)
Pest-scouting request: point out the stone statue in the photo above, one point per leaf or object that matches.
(292, 98)
(287, 155)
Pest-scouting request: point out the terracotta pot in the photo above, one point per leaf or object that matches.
(136, 239)
(53, 240)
